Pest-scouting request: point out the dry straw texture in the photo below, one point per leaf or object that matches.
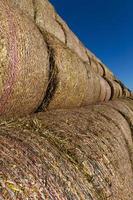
(72, 41)
(23, 63)
(66, 154)
(45, 19)
(72, 82)
(24, 5)
(75, 154)
(39, 71)
(48, 20)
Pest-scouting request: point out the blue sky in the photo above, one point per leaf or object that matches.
(106, 28)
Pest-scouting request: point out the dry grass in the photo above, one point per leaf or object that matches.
(63, 154)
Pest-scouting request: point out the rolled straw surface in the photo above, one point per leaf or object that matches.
(72, 83)
(26, 6)
(23, 63)
(39, 71)
(68, 154)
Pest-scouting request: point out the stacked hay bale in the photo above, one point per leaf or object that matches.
(48, 20)
(24, 5)
(72, 82)
(79, 153)
(23, 63)
(38, 71)
(68, 154)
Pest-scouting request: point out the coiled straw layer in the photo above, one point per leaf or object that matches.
(24, 63)
(68, 154)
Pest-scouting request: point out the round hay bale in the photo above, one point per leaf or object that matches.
(94, 65)
(125, 107)
(103, 90)
(95, 80)
(100, 69)
(72, 41)
(107, 73)
(108, 91)
(114, 88)
(126, 92)
(90, 54)
(119, 115)
(45, 19)
(131, 95)
(117, 86)
(123, 89)
(97, 88)
(24, 5)
(23, 61)
(105, 94)
(119, 89)
(128, 102)
(66, 154)
(71, 83)
(89, 97)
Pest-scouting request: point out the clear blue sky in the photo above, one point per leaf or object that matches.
(106, 28)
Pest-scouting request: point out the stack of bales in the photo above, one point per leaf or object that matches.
(49, 68)
(69, 154)
(23, 61)
(81, 147)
